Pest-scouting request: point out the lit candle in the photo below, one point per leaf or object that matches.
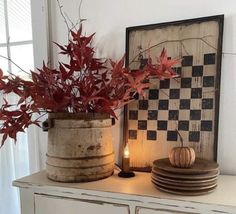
(125, 163)
(125, 172)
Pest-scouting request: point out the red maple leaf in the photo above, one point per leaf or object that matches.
(163, 69)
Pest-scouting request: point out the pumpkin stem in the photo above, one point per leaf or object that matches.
(181, 139)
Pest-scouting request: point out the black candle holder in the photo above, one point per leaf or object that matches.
(124, 174)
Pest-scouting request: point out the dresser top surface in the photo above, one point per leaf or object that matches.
(140, 185)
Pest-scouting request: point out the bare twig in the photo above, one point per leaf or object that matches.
(44, 113)
(182, 44)
(74, 26)
(164, 93)
(79, 20)
(68, 18)
(64, 17)
(79, 13)
(4, 57)
(172, 41)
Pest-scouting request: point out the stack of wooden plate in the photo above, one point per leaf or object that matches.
(200, 179)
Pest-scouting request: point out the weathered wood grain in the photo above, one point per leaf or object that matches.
(79, 149)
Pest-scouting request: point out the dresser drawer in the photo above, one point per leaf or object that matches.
(46, 204)
(143, 210)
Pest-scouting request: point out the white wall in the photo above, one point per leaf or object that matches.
(110, 18)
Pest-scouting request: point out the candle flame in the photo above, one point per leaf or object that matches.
(126, 151)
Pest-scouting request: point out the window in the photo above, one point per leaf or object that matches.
(27, 48)
(16, 40)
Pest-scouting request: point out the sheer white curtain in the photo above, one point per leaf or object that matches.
(25, 47)
(14, 163)
(17, 161)
(11, 167)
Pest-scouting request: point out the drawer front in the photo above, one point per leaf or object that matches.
(142, 210)
(45, 204)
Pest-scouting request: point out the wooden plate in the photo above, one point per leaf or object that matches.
(185, 188)
(185, 182)
(199, 167)
(204, 176)
(186, 193)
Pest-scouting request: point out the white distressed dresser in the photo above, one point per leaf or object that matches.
(115, 195)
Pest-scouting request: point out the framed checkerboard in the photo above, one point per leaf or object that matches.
(189, 103)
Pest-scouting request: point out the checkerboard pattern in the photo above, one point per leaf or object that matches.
(185, 103)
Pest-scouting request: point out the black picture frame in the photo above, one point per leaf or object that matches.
(214, 22)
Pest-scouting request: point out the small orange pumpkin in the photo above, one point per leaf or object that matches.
(182, 157)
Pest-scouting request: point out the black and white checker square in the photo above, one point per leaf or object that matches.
(172, 125)
(187, 61)
(210, 59)
(174, 104)
(151, 135)
(153, 94)
(183, 125)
